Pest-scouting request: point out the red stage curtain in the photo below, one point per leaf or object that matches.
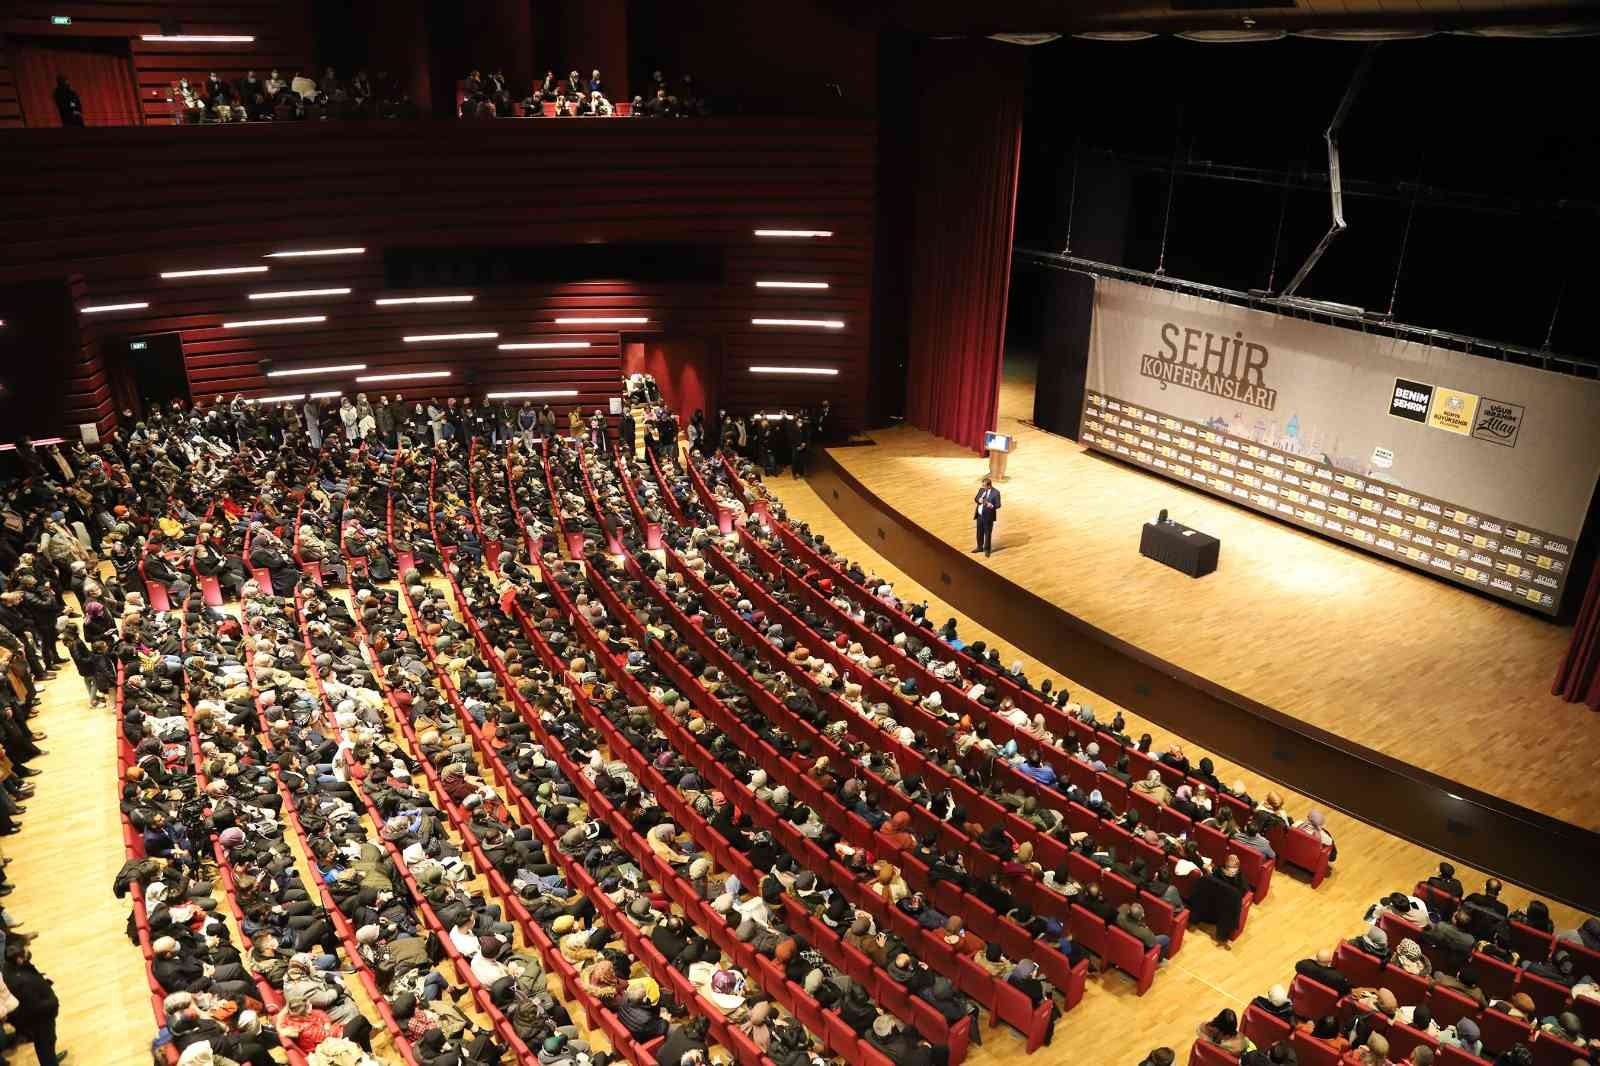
(1578, 680)
(102, 77)
(968, 115)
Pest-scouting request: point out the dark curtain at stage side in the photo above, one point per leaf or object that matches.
(1578, 680)
(965, 185)
(1066, 312)
(102, 76)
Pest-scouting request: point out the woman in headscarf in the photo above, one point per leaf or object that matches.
(1408, 956)
(1154, 788)
(663, 846)
(898, 831)
(757, 1026)
(888, 883)
(600, 980)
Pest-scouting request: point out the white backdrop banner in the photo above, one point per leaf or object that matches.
(1467, 467)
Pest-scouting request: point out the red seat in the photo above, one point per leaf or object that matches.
(1312, 999)
(210, 591)
(1262, 1028)
(1304, 851)
(1205, 1053)
(1450, 1055)
(1553, 1051)
(1530, 943)
(1403, 1039)
(1501, 1030)
(1449, 1006)
(1127, 954)
(1363, 970)
(1548, 996)
(1497, 979)
(1309, 1051)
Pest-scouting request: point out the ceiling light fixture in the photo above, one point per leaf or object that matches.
(817, 371)
(418, 338)
(794, 233)
(820, 323)
(301, 371)
(97, 308)
(295, 321)
(291, 294)
(791, 284)
(212, 272)
(415, 376)
(535, 394)
(394, 301)
(528, 345)
(308, 252)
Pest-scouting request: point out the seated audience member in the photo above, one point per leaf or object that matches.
(1223, 1031)
(1445, 880)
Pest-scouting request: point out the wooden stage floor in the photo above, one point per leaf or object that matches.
(1384, 656)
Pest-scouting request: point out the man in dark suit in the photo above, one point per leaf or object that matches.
(68, 105)
(1321, 970)
(986, 507)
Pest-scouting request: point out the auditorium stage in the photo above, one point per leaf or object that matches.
(1345, 642)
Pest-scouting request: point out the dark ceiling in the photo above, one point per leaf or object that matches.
(937, 17)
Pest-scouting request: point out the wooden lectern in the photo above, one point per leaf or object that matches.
(1000, 448)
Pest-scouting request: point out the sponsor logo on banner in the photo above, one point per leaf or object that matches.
(1382, 459)
(1230, 367)
(1410, 400)
(1452, 411)
(1498, 422)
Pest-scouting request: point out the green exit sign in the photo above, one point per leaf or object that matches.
(138, 346)
(60, 20)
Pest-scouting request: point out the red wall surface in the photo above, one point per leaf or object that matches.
(113, 208)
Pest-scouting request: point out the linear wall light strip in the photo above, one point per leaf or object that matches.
(293, 294)
(96, 309)
(791, 284)
(307, 253)
(817, 371)
(418, 338)
(522, 346)
(297, 320)
(609, 321)
(324, 395)
(301, 371)
(395, 301)
(286, 398)
(416, 376)
(212, 272)
(794, 233)
(197, 38)
(819, 323)
(534, 394)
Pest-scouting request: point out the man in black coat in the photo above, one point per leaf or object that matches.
(1321, 970)
(35, 1016)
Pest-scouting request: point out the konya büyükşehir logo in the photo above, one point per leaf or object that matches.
(1217, 363)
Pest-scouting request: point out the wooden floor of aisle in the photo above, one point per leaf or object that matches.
(1113, 1026)
(1392, 659)
(62, 864)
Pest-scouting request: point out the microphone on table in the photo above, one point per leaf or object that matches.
(1161, 519)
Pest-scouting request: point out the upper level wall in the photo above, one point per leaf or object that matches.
(281, 28)
(113, 208)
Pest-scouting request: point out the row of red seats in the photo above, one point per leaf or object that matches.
(1298, 849)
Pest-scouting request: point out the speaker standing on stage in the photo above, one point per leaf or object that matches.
(986, 508)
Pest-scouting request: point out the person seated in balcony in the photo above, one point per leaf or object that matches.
(564, 108)
(217, 91)
(599, 105)
(660, 105)
(303, 87)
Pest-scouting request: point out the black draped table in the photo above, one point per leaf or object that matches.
(1178, 546)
